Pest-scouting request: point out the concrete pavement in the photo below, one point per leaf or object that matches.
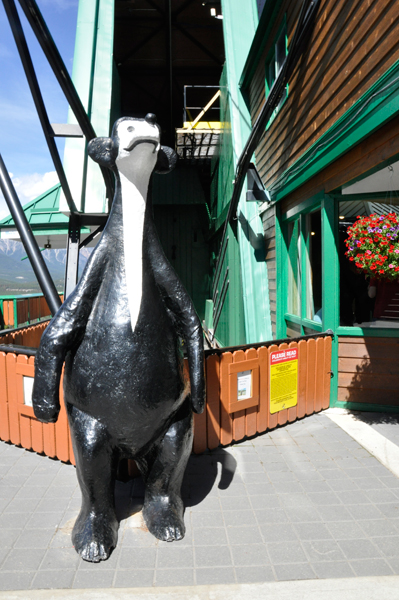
(304, 511)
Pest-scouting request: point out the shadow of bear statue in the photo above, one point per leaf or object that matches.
(120, 334)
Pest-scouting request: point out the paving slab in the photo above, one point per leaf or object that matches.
(305, 503)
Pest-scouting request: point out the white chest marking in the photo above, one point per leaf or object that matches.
(133, 206)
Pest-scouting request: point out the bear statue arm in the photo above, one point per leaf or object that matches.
(64, 331)
(180, 304)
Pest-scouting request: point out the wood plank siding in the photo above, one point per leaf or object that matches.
(351, 46)
(368, 370)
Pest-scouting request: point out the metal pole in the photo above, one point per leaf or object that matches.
(27, 238)
(26, 60)
(169, 65)
(72, 258)
(50, 50)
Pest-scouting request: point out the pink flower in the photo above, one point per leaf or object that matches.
(391, 266)
(396, 251)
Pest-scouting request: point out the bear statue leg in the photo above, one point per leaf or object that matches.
(96, 529)
(163, 470)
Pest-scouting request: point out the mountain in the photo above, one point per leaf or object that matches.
(17, 276)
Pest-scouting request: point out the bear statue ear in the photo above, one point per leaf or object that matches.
(167, 159)
(103, 151)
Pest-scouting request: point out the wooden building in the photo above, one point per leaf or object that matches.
(329, 153)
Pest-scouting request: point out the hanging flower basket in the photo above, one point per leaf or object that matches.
(373, 245)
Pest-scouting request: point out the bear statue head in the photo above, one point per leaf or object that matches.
(133, 138)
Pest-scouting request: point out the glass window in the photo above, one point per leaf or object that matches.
(313, 266)
(304, 271)
(294, 268)
(271, 73)
(369, 267)
(281, 50)
(274, 64)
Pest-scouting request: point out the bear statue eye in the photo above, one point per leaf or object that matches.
(130, 128)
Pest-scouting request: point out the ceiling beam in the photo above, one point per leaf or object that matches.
(142, 43)
(198, 44)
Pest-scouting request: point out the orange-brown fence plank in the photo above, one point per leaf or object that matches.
(4, 418)
(238, 417)
(273, 419)
(327, 372)
(61, 431)
(37, 436)
(24, 421)
(215, 426)
(251, 414)
(319, 391)
(36, 426)
(293, 412)
(226, 429)
(15, 437)
(282, 414)
(49, 447)
(311, 377)
(263, 412)
(213, 401)
(302, 378)
(8, 309)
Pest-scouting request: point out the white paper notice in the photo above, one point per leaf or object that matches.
(244, 385)
(28, 387)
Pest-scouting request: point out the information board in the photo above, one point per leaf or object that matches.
(244, 385)
(283, 379)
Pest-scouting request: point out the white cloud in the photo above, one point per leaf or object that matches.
(28, 187)
(31, 186)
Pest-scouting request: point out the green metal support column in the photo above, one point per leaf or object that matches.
(92, 76)
(282, 278)
(240, 20)
(330, 293)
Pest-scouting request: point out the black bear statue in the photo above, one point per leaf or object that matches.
(120, 336)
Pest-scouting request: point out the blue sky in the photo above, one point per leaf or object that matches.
(22, 144)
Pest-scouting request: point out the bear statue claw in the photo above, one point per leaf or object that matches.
(164, 519)
(95, 537)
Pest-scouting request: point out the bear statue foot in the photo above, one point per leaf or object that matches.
(95, 535)
(164, 518)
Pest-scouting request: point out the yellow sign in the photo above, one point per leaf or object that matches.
(283, 379)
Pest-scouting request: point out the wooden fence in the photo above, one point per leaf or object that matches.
(20, 310)
(225, 420)
(221, 422)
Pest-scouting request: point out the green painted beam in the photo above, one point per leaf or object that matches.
(330, 285)
(261, 37)
(92, 75)
(243, 18)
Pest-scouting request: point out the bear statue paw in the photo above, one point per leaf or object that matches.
(164, 518)
(46, 412)
(94, 536)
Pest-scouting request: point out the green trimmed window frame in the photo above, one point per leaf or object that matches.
(294, 265)
(329, 207)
